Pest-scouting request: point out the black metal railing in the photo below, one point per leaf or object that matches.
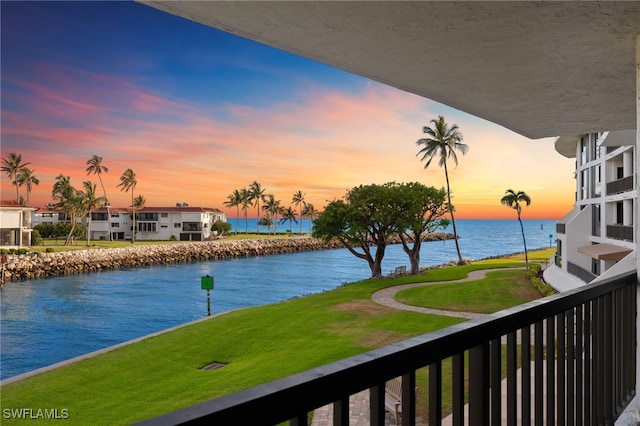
(620, 232)
(621, 185)
(580, 272)
(576, 352)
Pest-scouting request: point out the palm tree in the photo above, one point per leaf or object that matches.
(245, 202)
(273, 207)
(514, 199)
(233, 200)
(27, 178)
(91, 202)
(139, 202)
(95, 167)
(70, 200)
(443, 141)
(12, 166)
(309, 212)
(128, 182)
(298, 200)
(289, 215)
(256, 193)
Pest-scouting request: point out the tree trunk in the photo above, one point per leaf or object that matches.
(412, 252)
(526, 256)
(453, 221)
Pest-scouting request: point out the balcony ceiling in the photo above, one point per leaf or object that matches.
(538, 68)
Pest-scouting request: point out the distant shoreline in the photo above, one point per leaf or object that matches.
(41, 265)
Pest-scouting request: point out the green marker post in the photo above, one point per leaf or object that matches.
(206, 283)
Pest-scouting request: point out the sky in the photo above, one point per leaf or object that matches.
(197, 113)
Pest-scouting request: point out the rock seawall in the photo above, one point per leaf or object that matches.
(39, 265)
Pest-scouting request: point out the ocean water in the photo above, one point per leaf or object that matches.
(48, 320)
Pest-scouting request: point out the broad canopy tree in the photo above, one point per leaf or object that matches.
(369, 215)
(422, 208)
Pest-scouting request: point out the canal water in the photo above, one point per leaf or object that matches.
(48, 320)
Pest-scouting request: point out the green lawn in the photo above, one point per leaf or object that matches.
(260, 344)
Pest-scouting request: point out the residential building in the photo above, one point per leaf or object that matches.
(596, 240)
(15, 224)
(181, 222)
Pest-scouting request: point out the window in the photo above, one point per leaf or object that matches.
(584, 145)
(115, 214)
(595, 220)
(147, 227)
(597, 181)
(583, 184)
(115, 224)
(192, 226)
(619, 213)
(148, 217)
(98, 216)
(177, 225)
(596, 149)
(164, 214)
(163, 226)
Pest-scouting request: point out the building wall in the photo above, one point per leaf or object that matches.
(606, 202)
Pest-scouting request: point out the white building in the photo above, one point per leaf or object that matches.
(595, 240)
(182, 222)
(15, 224)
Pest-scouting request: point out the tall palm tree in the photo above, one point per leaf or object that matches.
(245, 202)
(289, 215)
(70, 200)
(298, 201)
(92, 202)
(94, 166)
(27, 178)
(443, 142)
(514, 200)
(12, 166)
(128, 182)
(310, 212)
(233, 200)
(256, 193)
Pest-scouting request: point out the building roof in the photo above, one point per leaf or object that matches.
(538, 68)
(13, 204)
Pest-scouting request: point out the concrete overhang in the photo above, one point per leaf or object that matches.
(538, 68)
(566, 145)
(605, 251)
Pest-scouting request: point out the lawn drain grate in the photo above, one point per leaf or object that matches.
(213, 366)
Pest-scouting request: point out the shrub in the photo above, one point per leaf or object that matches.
(534, 276)
(36, 238)
(173, 238)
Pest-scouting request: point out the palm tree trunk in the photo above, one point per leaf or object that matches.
(526, 256)
(88, 228)
(453, 221)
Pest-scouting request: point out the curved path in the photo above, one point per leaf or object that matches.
(387, 296)
(359, 403)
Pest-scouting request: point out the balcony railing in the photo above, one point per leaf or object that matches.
(620, 232)
(585, 338)
(621, 185)
(580, 272)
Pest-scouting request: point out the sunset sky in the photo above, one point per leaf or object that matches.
(197, 113)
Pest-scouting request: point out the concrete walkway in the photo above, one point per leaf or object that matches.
(359, 403)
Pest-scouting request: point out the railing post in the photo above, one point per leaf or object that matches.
(376, 405)
(435, 393)
(538, 389)
(479, 385)
(409, 397)
(458, 389)
(341, 412)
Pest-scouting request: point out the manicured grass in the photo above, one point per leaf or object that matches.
(499, 290)
(260, 344)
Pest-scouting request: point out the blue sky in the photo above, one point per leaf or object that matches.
(197, 113)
